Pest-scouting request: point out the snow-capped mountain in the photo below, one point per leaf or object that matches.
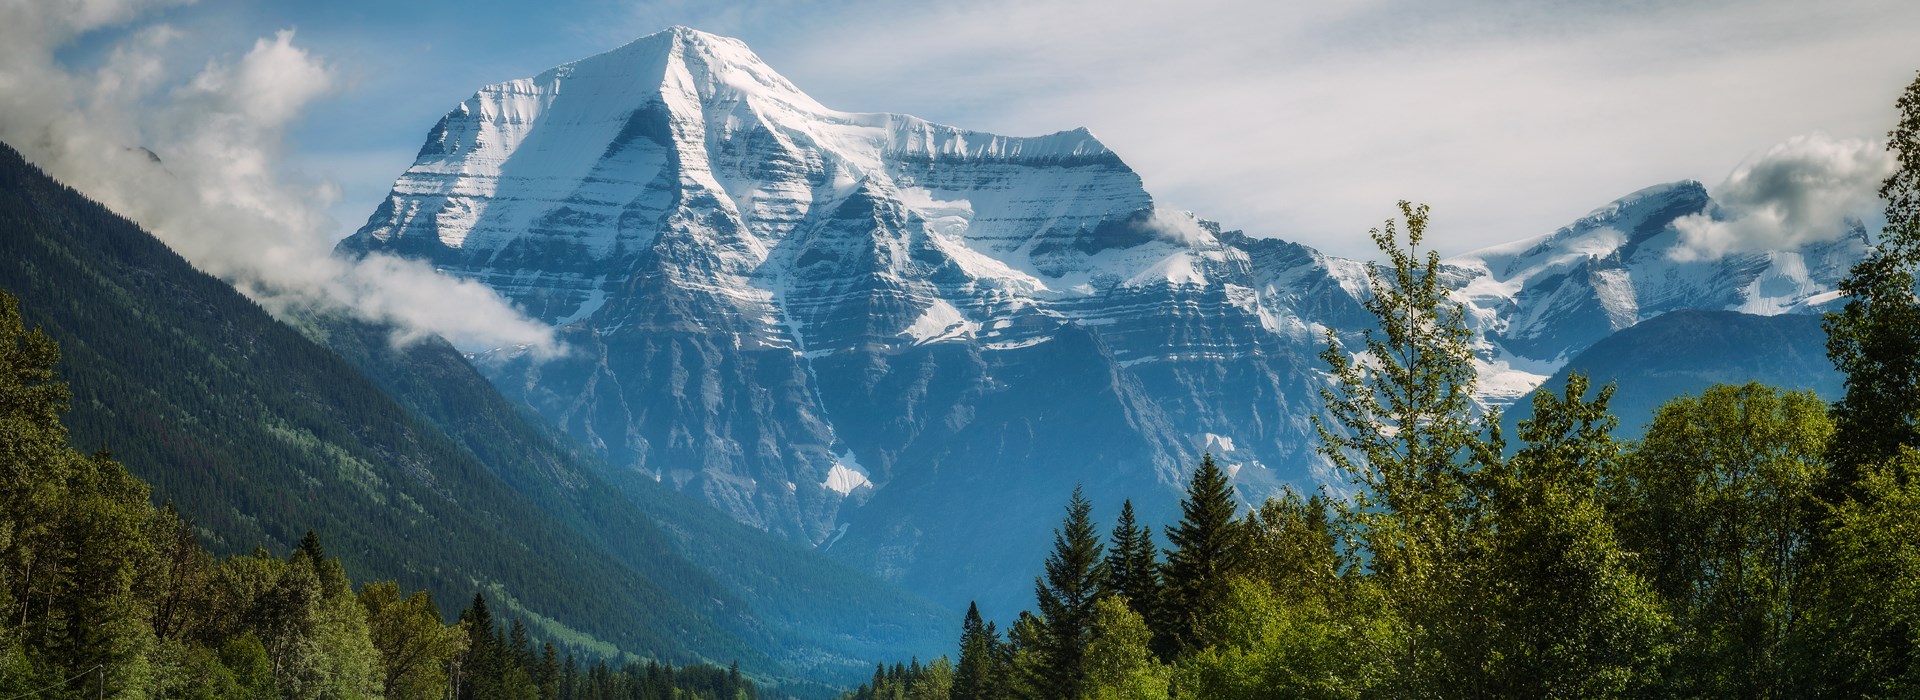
(907, 342)
(1539, 302)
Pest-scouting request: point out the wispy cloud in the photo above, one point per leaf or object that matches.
(197, 157)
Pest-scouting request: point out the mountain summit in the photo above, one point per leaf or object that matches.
(906, 342)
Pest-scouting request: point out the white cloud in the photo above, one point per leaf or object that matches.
(198, 161)
(1808, 189)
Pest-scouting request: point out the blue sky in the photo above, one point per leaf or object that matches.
(1299, 120)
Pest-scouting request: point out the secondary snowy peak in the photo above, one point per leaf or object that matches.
(1544, 299)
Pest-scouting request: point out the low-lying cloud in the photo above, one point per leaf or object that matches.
(195, 156)
(1810, 189)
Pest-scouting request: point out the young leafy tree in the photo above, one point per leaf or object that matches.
(1208, 550)
(1403, 414)
(1872, 339)
(1133, 569)
(1564, 612)
(1403, 427)
(1293, 548)
(415, 647)
(1120, 665)
(1066, 595)
(1859, 635)
(1719, 501)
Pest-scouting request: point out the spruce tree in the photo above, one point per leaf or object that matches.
(484, 663)
(1066, 595)
(1133, 569)
(981, 671)
(1207, 551)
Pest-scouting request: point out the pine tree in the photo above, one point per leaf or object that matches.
(1066, 595)
(1026, 658)
(1208, 549)
(484, 663)
(980, 673)
(570, 679)
(1133, 569)
(310, 543)
(547, 676)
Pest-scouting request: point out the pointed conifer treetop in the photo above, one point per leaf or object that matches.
(1208, 549)
(1133, 569)
(1075, 576)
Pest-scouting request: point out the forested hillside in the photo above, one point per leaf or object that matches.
(104, 594)
(262, 435)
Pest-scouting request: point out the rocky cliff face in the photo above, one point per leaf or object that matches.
(907, 342)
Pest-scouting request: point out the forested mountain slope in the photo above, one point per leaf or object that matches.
(261, 434)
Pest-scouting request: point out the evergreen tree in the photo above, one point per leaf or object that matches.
(310, 543)
(1026, 659)
(980, 674)
(1871, 339)
(1208, 550)
(483, 665)
(1133, 568)
(547, 676)
(1066, 595)
(570, 679)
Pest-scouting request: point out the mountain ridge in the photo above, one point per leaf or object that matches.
(781, 310)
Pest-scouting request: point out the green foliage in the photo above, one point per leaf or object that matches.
(1133, 567)
(1066, 597)
(1272, 647)
(1293, 547)
(1719, 500)
(415, 647)
(1209, 549)
(1568, 615)
(1860, 636)
(1872, 339)
(1120, 665)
